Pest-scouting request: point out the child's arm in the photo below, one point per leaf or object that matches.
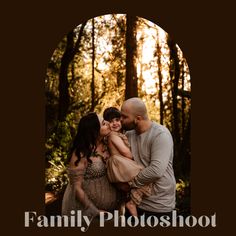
(119, 144)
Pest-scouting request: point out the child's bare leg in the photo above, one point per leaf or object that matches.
(132, 208)
(122, 209)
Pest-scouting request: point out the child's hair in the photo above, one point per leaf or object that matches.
(111, 113)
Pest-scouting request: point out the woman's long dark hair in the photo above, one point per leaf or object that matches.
(87, 134)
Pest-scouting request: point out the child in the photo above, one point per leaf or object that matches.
(120, 166)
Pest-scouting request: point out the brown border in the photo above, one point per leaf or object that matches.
(30, 35)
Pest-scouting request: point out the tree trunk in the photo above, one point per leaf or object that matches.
(182, 98)
(131, 54)
(93, 77)
(70, 51)
(175, 76)
(64, 99)
(186, 148)
(160, 84)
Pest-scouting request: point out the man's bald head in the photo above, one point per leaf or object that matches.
(135, 106)
(134, 115)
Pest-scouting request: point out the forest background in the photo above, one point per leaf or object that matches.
(102, 62)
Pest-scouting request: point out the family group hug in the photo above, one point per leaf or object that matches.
(121, 161)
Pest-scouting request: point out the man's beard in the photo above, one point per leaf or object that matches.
(129, 126)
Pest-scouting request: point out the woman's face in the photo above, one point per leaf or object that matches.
(104, 127)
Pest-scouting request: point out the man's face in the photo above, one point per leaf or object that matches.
(127, 118)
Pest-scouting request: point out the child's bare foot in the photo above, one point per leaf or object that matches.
(132, 208)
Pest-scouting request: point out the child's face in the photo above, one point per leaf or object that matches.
(115, 124)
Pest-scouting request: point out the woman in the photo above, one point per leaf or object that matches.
(89, 189)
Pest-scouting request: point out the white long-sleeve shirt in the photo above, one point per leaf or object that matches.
(154, 150)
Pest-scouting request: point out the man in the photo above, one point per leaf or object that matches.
(152, 147)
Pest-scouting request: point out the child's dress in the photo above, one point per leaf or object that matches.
(123, 169)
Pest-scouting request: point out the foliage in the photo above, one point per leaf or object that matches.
(55, 176)
(183, 197)
(57, 150)
(156, 73)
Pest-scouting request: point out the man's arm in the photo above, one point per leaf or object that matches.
(161, 150)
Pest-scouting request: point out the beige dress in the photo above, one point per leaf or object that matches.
(123, 169)
(100, 194)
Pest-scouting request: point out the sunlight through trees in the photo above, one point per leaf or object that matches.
(109, 58)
